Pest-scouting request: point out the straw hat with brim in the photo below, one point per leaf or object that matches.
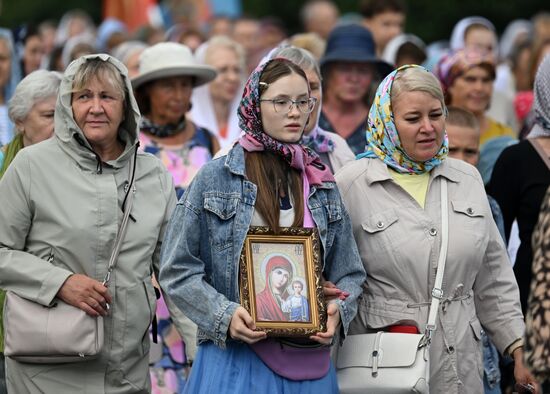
(353, 43)
(169, 59)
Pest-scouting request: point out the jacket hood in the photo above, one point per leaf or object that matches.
(72, 137)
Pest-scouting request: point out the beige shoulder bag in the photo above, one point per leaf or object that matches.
(59, 333)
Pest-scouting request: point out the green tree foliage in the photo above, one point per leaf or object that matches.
(429, 19)
(17, 12)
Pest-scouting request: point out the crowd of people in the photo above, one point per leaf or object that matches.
(350, 127)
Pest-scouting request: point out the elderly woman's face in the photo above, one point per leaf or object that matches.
(98, 111)
(226, 85)
(420, 123)
(132, 64)
(169, 99)
(5, 62)
(38, 124)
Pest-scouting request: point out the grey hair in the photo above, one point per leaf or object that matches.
(104, 71)
(123, 51)
(224, 42)
(37, 86)
(417, 79)
(299, 56)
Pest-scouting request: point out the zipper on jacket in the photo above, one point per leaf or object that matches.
(50, 256)
(99, 166)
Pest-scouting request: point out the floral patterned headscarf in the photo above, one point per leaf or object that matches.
(453, 64)
(255, 139)
(383, 140)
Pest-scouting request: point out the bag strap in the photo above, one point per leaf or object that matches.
(129, 201)
(540, 151)
(437, 291)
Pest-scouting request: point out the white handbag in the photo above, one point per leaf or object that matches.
(394, 363)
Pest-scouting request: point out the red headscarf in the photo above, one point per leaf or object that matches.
(267, 305)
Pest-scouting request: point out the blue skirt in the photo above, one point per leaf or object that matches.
(237, 369)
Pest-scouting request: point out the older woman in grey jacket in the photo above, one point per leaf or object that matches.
(392, 193)
(61, 208)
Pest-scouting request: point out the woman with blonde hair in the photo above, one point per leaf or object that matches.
(393, 194)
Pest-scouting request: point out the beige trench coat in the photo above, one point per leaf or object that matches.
(55, 201)
(399, 244)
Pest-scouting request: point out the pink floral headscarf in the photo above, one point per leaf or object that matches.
(255, 139)
(453, 64)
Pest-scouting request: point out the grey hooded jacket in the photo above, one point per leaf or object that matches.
(59, 199)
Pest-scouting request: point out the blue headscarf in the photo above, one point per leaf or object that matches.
(383, 140)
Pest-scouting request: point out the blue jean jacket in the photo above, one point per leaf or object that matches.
(200, 254)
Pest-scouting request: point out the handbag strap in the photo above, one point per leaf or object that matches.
(437, 291)
(128, 202)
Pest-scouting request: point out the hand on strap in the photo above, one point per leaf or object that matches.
(85, 293)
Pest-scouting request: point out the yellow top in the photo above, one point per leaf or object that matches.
(494, 130)
(414, 184)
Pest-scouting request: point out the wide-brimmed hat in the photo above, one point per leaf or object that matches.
(170, 59)
(353, 43)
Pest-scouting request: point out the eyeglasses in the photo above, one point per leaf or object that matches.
(284, 105)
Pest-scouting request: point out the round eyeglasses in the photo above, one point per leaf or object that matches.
(284, 105)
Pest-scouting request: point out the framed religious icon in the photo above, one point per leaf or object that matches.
(280, 281)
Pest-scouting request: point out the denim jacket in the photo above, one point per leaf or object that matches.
(200, 254)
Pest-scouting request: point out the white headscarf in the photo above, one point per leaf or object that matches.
(542, 100)
(202, 112)
(457, 36)
(391, 49)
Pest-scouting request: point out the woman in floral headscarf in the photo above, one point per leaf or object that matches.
(393, 195)
(268, 178)
(467, 78)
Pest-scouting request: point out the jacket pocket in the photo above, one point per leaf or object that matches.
(382, 234)
(140, 309)
(220, 209)
(476, 329)
(469, 209)
(333, 211)
(380, 221)
(477, 350)
(470, 217)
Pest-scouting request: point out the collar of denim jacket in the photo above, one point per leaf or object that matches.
(234, 160)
